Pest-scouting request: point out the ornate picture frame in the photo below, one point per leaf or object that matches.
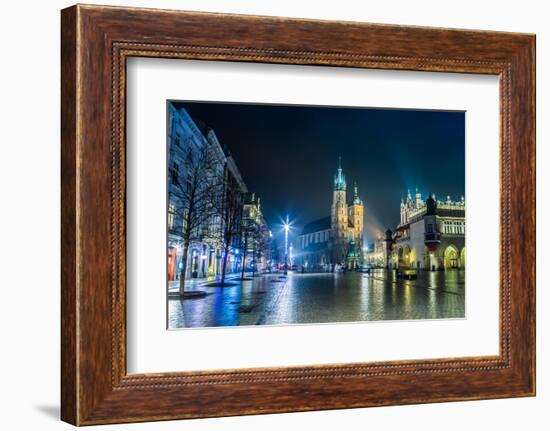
(96, 41)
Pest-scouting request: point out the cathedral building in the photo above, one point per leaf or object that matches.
(338, 238)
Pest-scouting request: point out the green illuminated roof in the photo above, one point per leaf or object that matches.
(339, 179)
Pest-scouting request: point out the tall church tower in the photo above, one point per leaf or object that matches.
(356, 216)
(355, 232)
(339, 217)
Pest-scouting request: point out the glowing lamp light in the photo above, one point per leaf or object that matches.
(286, 227)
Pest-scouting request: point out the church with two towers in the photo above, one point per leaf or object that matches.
(335, 240)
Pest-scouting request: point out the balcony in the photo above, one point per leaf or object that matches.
(432, 237)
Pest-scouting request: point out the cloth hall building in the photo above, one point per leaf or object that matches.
(430, 236)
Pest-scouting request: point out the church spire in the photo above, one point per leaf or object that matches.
(339, 179)
(356, 199)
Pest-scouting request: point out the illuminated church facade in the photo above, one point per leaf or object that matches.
(338, 238)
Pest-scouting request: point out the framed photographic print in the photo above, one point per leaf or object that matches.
(269, 215)
(336, 259)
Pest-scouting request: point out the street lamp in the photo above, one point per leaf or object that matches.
(286, 227)
(290, 254)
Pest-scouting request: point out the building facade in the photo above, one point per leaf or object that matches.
(206, 201)
(430, 236)
(313, 246)
(186, 143)
(338, 238)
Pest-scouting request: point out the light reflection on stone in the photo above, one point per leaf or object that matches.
(322, 298)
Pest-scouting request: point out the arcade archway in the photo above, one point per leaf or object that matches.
(404, 254)
(451, 258)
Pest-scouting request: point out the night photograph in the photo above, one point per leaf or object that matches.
(291, 214)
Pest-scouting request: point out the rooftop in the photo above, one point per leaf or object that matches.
(316, 226)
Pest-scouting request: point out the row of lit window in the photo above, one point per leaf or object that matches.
(456, 227)
(315, 237)
(172, 218)
(213, 222)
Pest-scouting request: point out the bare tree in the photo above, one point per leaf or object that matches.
(194, 193)
(229, 213)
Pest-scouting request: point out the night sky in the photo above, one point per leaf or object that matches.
(288, 155)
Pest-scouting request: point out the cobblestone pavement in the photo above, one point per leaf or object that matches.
(322, 298)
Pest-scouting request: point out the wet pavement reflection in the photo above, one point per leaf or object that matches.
(296, 298)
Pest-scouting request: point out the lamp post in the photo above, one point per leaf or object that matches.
(286, 226)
